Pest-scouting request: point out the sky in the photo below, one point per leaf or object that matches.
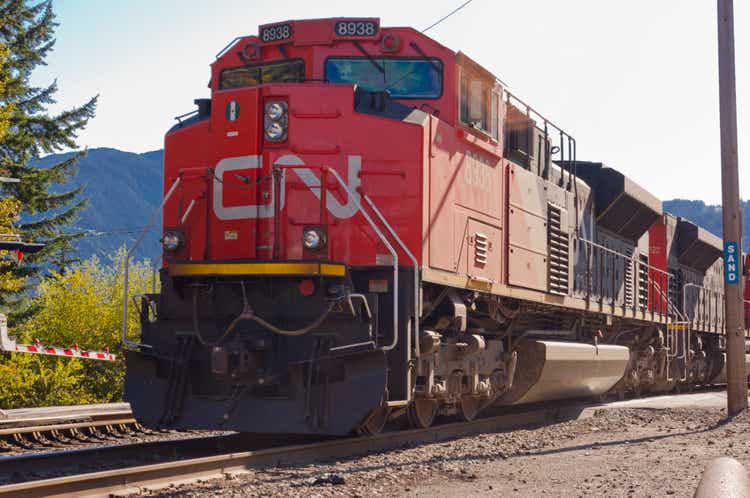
(636, 82)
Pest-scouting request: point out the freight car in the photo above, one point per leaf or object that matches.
(362, 225)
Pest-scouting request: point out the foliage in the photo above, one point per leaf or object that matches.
(27, 30)
(5, 108)
(10, 282)
(81, 306)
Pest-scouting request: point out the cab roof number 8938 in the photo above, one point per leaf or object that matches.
(275, 33)
(356, 28)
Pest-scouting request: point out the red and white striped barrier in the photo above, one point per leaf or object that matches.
(9, 344)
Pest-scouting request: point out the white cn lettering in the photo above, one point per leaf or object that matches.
(308, 177)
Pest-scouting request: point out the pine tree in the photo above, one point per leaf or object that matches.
(27, 30)
(9, 207)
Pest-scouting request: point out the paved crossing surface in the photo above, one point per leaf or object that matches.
(704, 399)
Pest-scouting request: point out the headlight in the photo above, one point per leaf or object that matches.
(172, 241)
(275, 132)
(275, 110)
(276, 120)
(313, 239)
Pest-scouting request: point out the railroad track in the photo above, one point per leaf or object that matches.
(215, 463)
(37, 428)
(155, 464)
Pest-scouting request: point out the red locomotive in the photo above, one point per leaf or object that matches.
(362, 225)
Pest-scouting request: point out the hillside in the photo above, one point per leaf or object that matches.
(709, 216)
(124, 188)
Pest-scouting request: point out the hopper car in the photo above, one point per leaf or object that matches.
(362, 225)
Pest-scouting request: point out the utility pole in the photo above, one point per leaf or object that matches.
(732, 217)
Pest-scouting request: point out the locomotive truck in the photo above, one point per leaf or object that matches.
(361, 225)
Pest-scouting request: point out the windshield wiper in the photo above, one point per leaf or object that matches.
(419, 50)
(369, 58)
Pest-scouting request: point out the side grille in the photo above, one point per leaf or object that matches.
(480, 249)
(628, 286)
(674, 289)
(643, 282)
(559, 250)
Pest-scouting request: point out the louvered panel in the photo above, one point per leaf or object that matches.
(628, 284)
(674, 290)
(643, 282)
(558, 247)
(480, 249)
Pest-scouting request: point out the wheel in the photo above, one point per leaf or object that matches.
(375, 422)
(469, 407)
(421, 413)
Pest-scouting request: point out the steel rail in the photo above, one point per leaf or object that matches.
(19, 422)
(154, 476)
(29, 429)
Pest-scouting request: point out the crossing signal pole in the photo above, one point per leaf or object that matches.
(732, 216)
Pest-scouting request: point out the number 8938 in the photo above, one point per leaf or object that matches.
(276, 33)
(356, 28)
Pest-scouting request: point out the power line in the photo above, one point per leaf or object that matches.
(95, 232)
(446, 17)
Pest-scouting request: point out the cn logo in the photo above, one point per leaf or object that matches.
(307, 175)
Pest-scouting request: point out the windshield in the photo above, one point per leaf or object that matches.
(272, 72)
(403, 78)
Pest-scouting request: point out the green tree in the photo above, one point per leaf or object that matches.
(83, 306)
(5, 108)
(27, 30)
(10, 282)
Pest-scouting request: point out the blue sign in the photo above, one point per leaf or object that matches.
(731, 263)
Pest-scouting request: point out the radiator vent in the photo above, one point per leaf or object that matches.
(558, 246)
(480, 249)
(629, 282)
(674, 290)
(643, 282)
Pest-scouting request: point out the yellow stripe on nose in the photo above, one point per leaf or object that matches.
(288, 269)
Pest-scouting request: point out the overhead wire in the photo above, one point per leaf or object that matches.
(447, 16)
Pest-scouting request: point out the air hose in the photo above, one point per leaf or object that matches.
(248, 314)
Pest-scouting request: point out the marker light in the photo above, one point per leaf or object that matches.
(313, 239)
(172, 241)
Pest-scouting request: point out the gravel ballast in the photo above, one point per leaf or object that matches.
(617, 452)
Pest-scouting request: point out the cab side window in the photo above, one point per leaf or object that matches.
(478, 102)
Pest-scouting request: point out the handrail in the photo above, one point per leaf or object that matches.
(636, 265)
(686, 339)
(624, 256)
(125, 341)
(701, 288)
(229, 45)
(154, 271)
(406, 250)
(187, 212)
(670, 305)
(353, 197)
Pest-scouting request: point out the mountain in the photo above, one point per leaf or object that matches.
(123, 189)
(709, 216)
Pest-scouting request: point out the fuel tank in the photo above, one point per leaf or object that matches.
(550, 370)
